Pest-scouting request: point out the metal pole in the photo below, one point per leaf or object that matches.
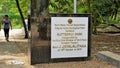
(75, 6)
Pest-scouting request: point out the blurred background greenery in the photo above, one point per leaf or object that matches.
(9, 7)
(105, 12)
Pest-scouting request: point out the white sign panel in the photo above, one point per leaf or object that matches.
(69, 37)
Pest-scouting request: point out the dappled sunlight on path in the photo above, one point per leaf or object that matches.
(15, 35)
(15, 50)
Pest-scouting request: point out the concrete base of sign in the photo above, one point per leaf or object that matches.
(110, 57)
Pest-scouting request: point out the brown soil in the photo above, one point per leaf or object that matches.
(106, 42)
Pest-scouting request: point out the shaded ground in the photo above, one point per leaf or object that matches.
(14, 50)
(106, 42)
(41, 52)
(94, 63)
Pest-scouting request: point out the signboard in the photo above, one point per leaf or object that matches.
(70, 36)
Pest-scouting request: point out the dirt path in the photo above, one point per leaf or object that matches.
(15, 51)
(18, 50)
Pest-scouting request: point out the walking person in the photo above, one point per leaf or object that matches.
(7, 24)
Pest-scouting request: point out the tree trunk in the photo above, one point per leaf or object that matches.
(42, 14)
(39, 52)
(94, 25)
(89, 8)
(25, 28)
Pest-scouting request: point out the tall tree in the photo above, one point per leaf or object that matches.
(25, 28)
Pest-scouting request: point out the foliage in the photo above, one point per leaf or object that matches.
(102, 8)
(104, 11)
(83, 9)
(61, 6)
(9, 7)
(66, 6)
(105, 8)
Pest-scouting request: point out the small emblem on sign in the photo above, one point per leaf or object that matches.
(69, 21)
